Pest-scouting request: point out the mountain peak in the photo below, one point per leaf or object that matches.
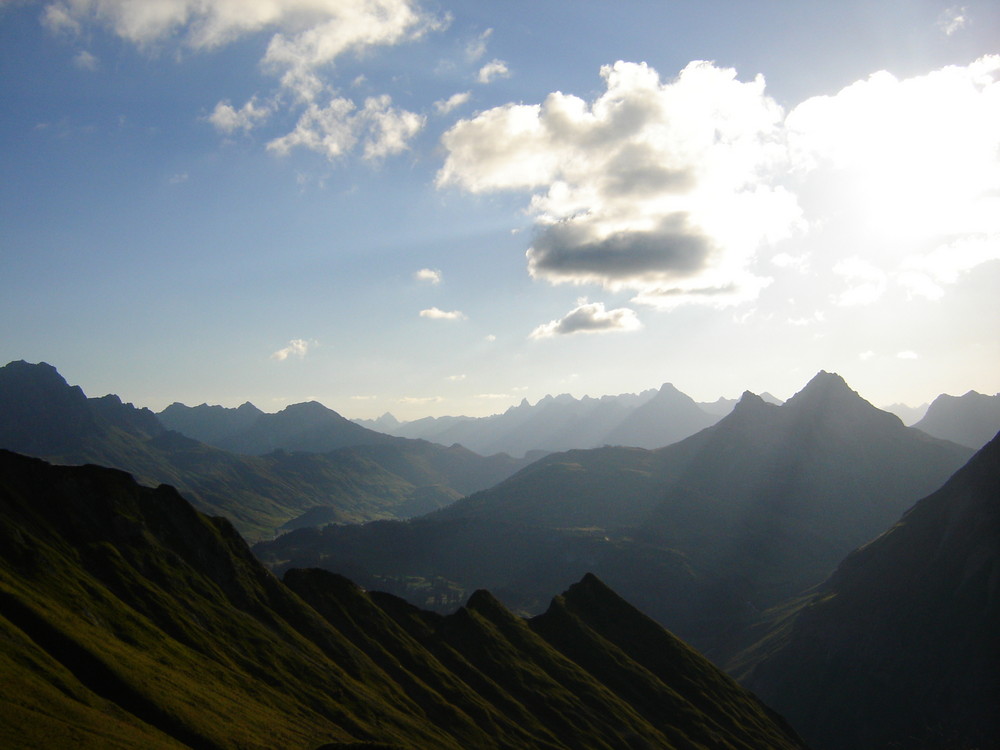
(825, 386)
(829, 397)
(483, 602)
(749, 400)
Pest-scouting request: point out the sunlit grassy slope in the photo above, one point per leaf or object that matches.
(129, 619)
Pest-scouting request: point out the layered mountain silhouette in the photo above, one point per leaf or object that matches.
(909, 415)
(972, 419)
(651, 419)
(308, 427)
(702, 534)
(41, 415)
(129, 620)
(899, 647)
(209, 424)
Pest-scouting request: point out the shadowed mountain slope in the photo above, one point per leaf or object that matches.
(40, 414)
(972, 419)
(899, 648)
(128, 619)
(701, 534)
(208, 424)
(307, 427)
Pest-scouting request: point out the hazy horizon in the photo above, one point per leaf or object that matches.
(442, 208)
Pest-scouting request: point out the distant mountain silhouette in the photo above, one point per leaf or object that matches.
(899, 648)
(668, 417)
(308, 426)
(209, 424)
(701, 534)
(651, 419)
(909, 415)
(970, 420)
(131, 620)
(41, 415)
(722, 406)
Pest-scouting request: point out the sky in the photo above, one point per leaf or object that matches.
(445, 207)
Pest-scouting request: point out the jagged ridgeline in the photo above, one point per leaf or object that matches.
(129, 619)
(344, 473)
(702, 535)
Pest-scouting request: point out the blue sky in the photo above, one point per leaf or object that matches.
(446, 207)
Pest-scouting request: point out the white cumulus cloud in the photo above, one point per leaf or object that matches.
(589, 317)
(307, 32)
(675, 189)
(307, 37)
(654, 186)
(928, 274)
(335, 129)
(428, 274)
(227, 119)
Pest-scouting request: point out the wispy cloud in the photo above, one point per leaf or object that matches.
(453, 102)
(84, 60)
(420, 400)
(907, 355)
(436, 314)
(430, 275)
(476, 49)
(492, 70)
(307, 37)
(296, 348)
(456, 378)
(953, 19)
(227, 119)
(589, 317)
(865, 282)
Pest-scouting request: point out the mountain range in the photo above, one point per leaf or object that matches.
(384, 477)
(651, 419)
(899, 647)
(972, 419)
(129, 619)
(702, 534)
(306, 427)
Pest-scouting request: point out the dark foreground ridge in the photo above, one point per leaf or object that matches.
(128, 619)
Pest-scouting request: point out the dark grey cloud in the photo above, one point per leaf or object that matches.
(634, 170)
(566, 252)
(589, 317)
